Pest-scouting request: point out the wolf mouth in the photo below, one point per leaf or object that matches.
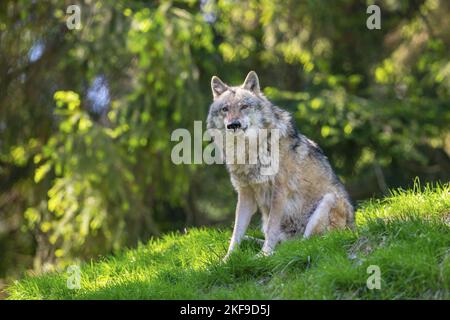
(239, 130)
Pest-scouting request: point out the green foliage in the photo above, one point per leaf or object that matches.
(407, 235)
(80, 157)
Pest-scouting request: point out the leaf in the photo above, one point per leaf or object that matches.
(42, 171)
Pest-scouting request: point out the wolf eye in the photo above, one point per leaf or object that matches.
(225, 109)
(244, 106)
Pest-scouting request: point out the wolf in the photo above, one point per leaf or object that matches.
(304, 197)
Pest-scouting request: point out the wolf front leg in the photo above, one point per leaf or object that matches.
(273, 233)
(245, 209)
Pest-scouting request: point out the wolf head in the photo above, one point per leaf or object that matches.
(239, 108)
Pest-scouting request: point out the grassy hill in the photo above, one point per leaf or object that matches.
(406, 235)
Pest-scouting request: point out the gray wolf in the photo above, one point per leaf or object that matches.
(304, 197)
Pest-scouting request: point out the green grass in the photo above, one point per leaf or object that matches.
(407, 235)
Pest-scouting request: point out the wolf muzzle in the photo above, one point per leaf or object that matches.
(235, 124)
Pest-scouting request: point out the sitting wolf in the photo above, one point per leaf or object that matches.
(304, 197)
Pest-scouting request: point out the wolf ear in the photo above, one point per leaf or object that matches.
(252, 82)
(217, 87)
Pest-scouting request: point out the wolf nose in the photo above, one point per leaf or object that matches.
(235, 124)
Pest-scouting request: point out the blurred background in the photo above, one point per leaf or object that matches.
(86, 115)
